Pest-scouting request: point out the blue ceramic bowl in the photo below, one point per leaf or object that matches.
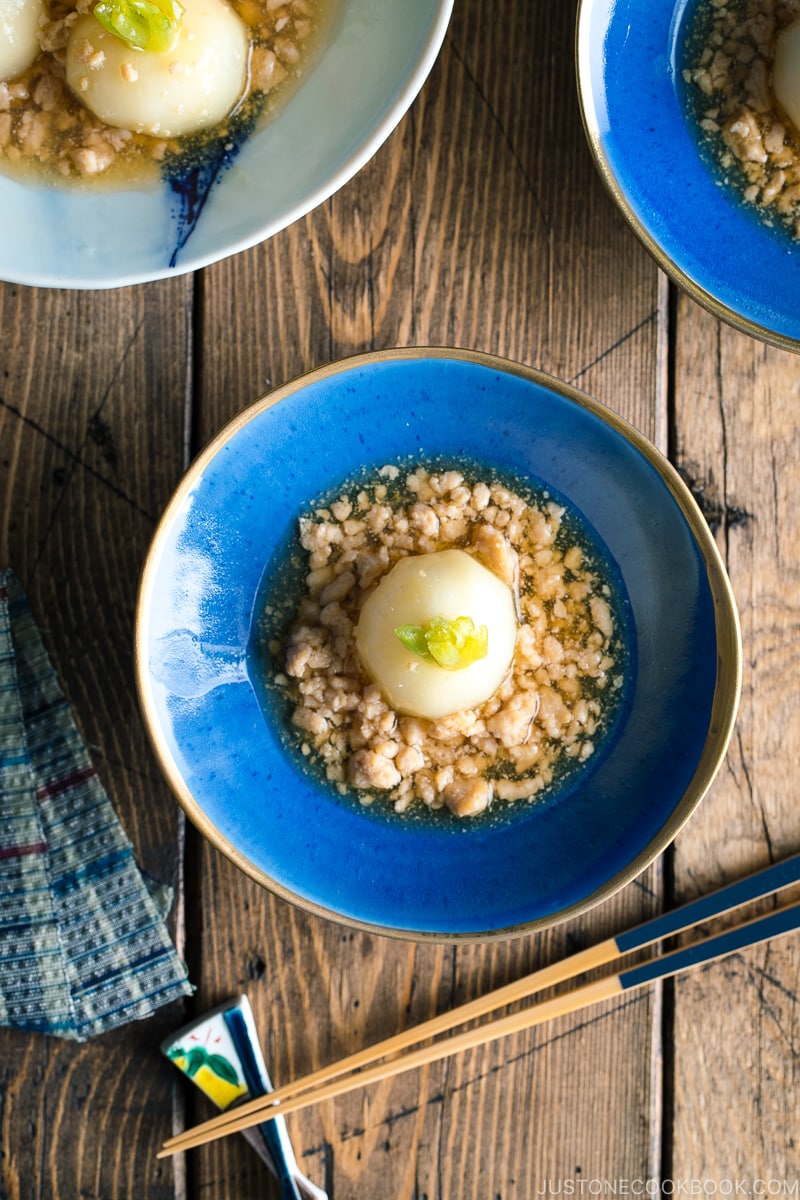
(198, 675)
(701, 234)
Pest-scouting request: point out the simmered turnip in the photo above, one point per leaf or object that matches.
(452, 588)
(168, 92)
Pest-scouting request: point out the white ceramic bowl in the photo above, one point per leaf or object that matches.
(374, 60)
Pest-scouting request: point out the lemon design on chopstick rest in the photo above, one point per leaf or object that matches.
(450, 644)
(144, 24)
(213, 1073)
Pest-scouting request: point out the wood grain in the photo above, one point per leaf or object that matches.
(91, 430)
(736, 1025)
(457, 233)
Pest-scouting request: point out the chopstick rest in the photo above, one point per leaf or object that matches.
(83, 944)
(220, 1053)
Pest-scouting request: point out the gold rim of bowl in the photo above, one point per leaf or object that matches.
(693, 289)
(729, 653)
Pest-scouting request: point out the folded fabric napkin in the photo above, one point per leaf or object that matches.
(83, 944)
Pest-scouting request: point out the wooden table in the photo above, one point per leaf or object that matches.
(481, 223)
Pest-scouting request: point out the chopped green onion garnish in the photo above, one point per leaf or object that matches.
(413, 638)
(450, 644)
(143, 24)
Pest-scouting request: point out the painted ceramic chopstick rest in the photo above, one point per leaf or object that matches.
(220, 1053)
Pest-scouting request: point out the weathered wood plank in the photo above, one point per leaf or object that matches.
(736, 1045)
(481, 223)
(92, 401)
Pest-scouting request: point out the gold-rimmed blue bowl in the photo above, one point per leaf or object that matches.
(223, 753)
(630, 57)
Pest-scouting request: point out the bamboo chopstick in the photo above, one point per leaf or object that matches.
(780, 921)
(327, 1081)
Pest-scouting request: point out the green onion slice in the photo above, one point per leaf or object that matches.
(450, 644)
(143, 24)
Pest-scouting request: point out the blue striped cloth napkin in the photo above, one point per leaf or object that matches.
(83, 944)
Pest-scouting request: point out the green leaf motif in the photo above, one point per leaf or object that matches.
(199, 1057)
(222, 1067)
(195, 1059)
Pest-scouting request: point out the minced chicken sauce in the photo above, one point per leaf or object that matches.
(563, 690)
(727, 58)
(45, 131)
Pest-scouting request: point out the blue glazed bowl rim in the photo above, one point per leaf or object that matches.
(659, 192)
(727, 686)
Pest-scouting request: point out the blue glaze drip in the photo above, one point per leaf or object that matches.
(192, 173)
